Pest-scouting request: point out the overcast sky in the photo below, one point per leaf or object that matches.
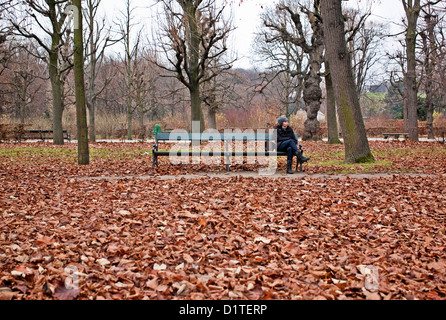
(246, 19)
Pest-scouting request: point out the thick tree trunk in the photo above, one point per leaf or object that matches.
(196, 110)
(193, 61)
(410, 92)
(312, 96)
(81, 112)
(332, 121)
(57, 103)
(312, 92)
(352, 123)
(55, 77)
(410, 78)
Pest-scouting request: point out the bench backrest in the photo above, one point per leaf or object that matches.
(44, 131)
(249, 136)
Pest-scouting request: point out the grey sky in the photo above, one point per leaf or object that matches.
(246, 19)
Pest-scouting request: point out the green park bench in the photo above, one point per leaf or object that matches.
(224, 137)
(44, 135)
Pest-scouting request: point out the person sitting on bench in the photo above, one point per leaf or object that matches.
(286, 142)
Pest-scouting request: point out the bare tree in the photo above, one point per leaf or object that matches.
(132, 56)
(412, 9)
(347, 100)
(217, 93)
(194, 34)
(431, 45)
(24, 75)
(145, 87)
(5, 30)
(440, 77)
(286, 60)
(98, 39)
(363, 42)
(332, 120)
(314, 48)
(83, 153)
(50, 17)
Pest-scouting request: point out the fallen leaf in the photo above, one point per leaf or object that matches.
(45, 241)
(124, 212)
(157, 266)
(262, 239)
(439, 266)
(63, 293)
(7, 294)
(188, 258)
(103, 262)
(21, 271)
(152, 284)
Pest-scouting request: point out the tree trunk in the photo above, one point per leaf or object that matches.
(81, 112)
(129, 98)
(23, 102)
(430, 119)
(287, 82)
(91, 103)
(332, 121)
(91, 100)
(312, 96)
(212, 118)
(196, 110)
(410, 78)
(55, 77)
(356, 145)
(141, 113)
(92, 121)
(193, 61)
(430, 49)
(312, 92)
(56, 91)
(129, 120)
(129, 71)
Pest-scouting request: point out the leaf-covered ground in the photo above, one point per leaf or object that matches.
(220, 238)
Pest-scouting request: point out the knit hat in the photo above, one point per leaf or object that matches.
(281, 120)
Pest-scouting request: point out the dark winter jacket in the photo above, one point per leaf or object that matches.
(284, 134)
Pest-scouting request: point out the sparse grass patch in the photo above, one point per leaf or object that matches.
(38, 153)
(336, 166)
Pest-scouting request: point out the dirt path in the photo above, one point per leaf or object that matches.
(252, 174)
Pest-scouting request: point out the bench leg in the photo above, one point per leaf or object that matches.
(227, 156)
